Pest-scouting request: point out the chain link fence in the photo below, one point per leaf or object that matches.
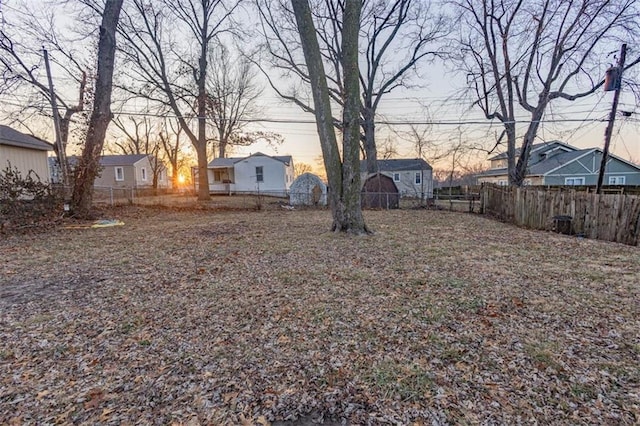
(252, 200)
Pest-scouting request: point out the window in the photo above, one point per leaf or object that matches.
(396, 177)
(259, 174)
(526, 182)
(119, 174)
(418, 178)
(217, 176)
(574, 181)
(616, 180)
(498, 164)
(143, 173)
(503, 183)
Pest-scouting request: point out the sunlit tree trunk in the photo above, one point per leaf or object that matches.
(343, 176)
(88, 167)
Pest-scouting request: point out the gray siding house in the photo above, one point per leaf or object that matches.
(24, 152)
(412, 176)
(131, 171)
(557, 163)
(123, 171)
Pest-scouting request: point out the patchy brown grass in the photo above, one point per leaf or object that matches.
(259, 317)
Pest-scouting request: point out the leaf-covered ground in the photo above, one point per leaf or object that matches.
(263, 317)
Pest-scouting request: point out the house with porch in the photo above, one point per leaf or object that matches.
(256, 173)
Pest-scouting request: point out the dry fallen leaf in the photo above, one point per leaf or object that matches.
(290, 321)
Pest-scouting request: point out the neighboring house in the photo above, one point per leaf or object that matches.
(131, 171)
(557, 163)
(24, 152)
(120, 171)
(412, 176)
(270, 175)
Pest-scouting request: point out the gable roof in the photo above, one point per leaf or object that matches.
(553, 163)
(224, 162)
(9, 136)
(121, 160)
(398, 165)
(536, 147)
(230, 161)
(559, 160)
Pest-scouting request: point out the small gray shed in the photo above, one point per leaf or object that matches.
(308, 190)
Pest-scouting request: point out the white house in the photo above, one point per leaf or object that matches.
(257, 173)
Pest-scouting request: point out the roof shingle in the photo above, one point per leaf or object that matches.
(398, 165)
(9, 136)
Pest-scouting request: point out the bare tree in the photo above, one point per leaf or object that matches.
(422, 143)
(172, 148)
(343, 174)
(152, 31)
(520, 56)
(388, 148)
(142, 136)
(88, 166)
(139, 136)
(301, 168)
(232, 92)
(398, 35)
(22, 69)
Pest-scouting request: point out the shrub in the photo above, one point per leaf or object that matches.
(26, 200)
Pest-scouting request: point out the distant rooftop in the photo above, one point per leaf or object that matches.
(535, 147)
(121, 160)
(398, 165)
(230, 161)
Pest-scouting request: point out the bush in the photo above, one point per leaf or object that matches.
(26, 201)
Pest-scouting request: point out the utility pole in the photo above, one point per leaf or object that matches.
(62, 155)
(612, 115)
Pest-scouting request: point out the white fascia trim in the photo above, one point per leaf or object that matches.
(569, 162)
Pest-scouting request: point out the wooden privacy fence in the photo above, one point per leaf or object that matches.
(609, 217)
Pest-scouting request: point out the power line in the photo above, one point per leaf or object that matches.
(387, 122)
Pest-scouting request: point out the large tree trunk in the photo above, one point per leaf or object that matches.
(88, 167)
(510, 129)
(343, 177)
(525, 150)
(201, 148)
(175, 177)
(352, 220)
(370, 149)
(222, 143)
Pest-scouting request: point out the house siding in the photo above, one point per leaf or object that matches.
(132, 176)
(108, 177)
(25, 160)
(407, 186)
(531, 180)
(277, 176)
(589, 168)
